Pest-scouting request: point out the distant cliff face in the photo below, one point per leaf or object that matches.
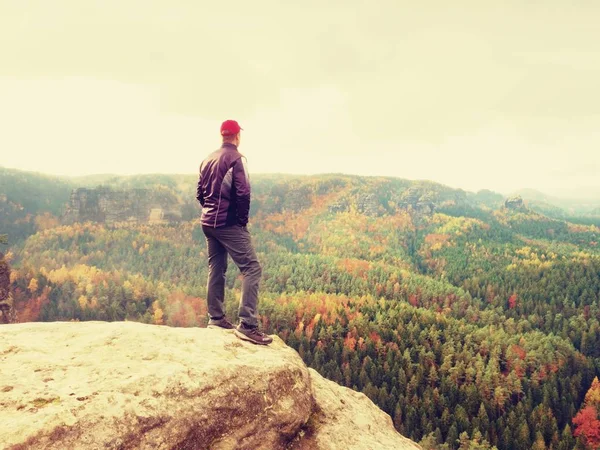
(419, 199)
(6, 309)
(4, 278)
(515, 202)
(106, 205)
(126, 385)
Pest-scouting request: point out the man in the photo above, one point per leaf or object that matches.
(224, 193)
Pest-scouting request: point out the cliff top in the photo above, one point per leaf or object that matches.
(130, 385)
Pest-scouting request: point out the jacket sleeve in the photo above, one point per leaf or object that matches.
(199, 194)
(241, 182)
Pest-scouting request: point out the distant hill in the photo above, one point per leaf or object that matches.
(460, 317)
(27, 195)
(559, 207)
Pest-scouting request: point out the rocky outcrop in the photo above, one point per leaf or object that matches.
(417, 200)
(339, 410)
(126, 385)
(4, 278)
(364, 203)
(368, 205)
(6, 309)
(515, 202)
(106, 205)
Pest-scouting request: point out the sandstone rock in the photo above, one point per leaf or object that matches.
(123, 385)
(106, 205)
(514, 202)
(365, 203)
(4, 278)
(338, 206)
(7, 312)
(128, 385)
(345, 419)
(368, 205)
(417, 200)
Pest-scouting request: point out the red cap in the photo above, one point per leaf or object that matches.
(230, 128)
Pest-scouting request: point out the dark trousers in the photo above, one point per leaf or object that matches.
(235, 241)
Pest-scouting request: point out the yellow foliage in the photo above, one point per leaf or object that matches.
(576, 228)
(592, 398)
(46, 221)
(158, 316)
(59, 276)
(581, 255)
(14, 275)
(128, 286)
(456, 225)
(83, 302)
(33, 285)
(138, 293)
(9, 256)
(439, 218)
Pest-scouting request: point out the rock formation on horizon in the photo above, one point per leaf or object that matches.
(515, 202)
(107, 205)
(126, 385)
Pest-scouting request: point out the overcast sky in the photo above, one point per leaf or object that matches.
(465, 93)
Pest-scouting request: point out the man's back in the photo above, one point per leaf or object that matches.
(224, 188)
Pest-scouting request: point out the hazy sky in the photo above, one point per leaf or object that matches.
(482, 94)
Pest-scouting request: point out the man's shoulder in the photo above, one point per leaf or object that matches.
(229, 155)
(234, 156)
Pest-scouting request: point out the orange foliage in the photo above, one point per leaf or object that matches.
(413, 300)
(512, 301)
(350, 342)
(375, 338)
(587, 425)
(30, 310)
(356, 267)
(436, 241)
(299, 329)
(296, 224)
(518, 351)
(519, 370)
(185, 311)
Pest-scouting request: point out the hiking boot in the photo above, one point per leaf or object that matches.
(252, 335)
(221, 323)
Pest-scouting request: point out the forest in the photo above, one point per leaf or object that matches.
(474, 325)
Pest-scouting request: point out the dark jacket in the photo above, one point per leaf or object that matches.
(224, 188)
